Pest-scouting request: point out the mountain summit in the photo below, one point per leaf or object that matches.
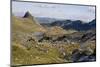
(28, 15)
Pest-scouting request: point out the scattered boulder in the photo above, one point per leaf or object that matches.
(38, 36)
(83, 56)
(88, 36)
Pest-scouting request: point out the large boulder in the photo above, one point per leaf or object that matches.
(38, 35)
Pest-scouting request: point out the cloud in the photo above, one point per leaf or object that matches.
(75, 12)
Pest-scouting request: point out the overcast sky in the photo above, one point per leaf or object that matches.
(60, 11)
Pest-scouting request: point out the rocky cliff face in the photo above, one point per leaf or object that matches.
(28, 15)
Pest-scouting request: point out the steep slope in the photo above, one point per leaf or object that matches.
(25, 24)
(22, 28)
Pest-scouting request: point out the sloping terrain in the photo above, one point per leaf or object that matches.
(33, 43)
(26, 24)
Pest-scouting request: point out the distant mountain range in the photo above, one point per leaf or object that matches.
(76, 25)
(65, 24)
(68, 24)
(45, 19)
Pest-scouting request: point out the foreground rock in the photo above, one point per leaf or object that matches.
(83, 56)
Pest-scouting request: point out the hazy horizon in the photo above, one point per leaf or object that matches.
(59, 11)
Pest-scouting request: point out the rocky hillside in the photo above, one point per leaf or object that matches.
(33, 43)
